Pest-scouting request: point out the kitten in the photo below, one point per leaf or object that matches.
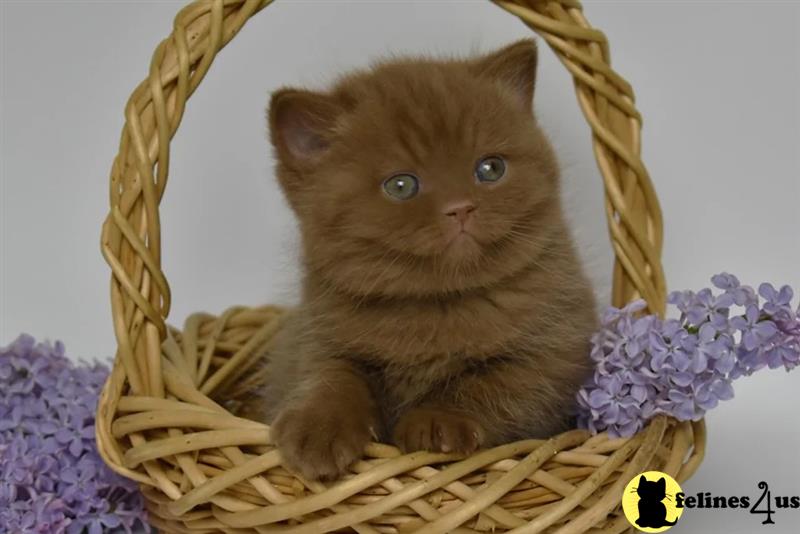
(443, 305)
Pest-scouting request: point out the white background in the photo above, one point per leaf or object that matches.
(717, 83)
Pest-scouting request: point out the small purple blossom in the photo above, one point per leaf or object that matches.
(684, 367)
(52, 478)
(777, 302)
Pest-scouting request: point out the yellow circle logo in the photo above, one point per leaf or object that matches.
(649, 502)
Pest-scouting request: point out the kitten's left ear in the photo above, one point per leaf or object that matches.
(515, 66)
(662, 484)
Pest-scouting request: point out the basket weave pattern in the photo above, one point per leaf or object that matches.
(203, 469)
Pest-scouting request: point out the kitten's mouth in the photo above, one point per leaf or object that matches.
(462, 243)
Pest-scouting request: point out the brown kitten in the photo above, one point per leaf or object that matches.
(443, 304)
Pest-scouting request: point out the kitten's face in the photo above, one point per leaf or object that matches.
(418, 177)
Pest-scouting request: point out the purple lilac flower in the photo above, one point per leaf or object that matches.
(52, 478)
(684, 367)
(742, 295)
(778, 302)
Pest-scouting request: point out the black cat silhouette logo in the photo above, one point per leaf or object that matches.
(649, 502)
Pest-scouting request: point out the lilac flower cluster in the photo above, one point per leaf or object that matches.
(52, 478)
(683, 367)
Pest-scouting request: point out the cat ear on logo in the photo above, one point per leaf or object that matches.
(642, 480)
(662, 484)
(515, 67)
(301, 123)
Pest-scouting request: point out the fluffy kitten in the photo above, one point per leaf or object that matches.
(443, 306)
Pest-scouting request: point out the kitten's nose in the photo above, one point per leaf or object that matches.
(460, 211)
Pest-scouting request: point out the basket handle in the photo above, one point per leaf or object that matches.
(131, 240)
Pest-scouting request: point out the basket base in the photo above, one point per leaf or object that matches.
(205, 470)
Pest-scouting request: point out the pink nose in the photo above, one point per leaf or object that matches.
(460, 211)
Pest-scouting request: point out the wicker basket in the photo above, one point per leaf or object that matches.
(202, 469)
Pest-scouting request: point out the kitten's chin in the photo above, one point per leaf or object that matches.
(462, 247)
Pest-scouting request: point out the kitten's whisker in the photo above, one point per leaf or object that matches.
(366, 292)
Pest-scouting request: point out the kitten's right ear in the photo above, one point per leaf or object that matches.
(301, 125)
(642, 480)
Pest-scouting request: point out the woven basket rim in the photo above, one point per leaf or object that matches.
(203, 469)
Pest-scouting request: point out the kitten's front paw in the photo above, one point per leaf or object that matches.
(320, 441)
(438, 430)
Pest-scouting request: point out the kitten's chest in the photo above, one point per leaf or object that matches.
(431, 331)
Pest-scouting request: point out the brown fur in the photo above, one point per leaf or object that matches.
(403, 334)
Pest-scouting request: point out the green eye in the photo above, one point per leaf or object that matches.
(401, 186)
(490, 169)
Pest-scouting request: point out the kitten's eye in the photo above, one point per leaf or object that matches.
(401, 186)
(490, 169)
